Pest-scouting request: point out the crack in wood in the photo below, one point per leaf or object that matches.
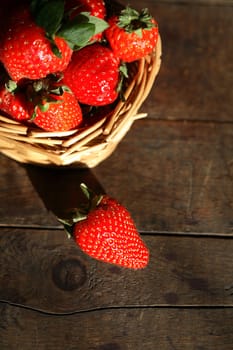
(109, 308)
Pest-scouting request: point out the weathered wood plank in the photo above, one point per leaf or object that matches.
(194, 196)
(47, 271)
(35, 196)
(19, 202)
(182, 172)
(138, 3)
(121, 329)
(196, 76)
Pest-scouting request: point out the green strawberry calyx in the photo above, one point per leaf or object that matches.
(76, 215)
(77, 32)
(133, 21)
(11, 86)
(42, 93)
(123, 74)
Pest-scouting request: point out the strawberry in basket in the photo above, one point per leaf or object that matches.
(13, 101)
(55, 108)
(45, 102)
(105, 231)
(132, 35)
(76, 40)
(93, 75)
(40, 40)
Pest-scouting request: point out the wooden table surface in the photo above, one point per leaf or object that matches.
(174, 173)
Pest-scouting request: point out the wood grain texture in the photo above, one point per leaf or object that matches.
(182, 172)
(196, 76)
(174, 172)
(183, 2)
(117, 329)
(35, 196)
(47, 271)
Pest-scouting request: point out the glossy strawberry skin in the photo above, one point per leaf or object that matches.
(63, 115)
(14, 104)
(109, 234)
(27, 53)
(93, 75)
(95, 7)
(130, 47)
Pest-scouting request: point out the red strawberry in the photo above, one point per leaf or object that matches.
(95, 7)
(61, 113)
(14, 102)
(108, 233)
(93, 75)
(41, 41)
(27, 53)
(132, 35)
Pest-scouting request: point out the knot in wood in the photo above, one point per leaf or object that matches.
(69, 274)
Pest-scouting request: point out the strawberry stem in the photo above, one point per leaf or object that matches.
(133, 21)
(93, 199)
(78, 214)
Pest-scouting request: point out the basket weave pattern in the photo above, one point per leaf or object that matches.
(86, 146)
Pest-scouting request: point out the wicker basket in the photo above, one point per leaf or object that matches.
(91, 144)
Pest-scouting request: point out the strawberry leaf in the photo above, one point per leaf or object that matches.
(100, 24)
(11, 86)
(49, 16)
(35, 4)
(58, 91)
(38, 85)
(86, 191)
(54, 47)
(77, 34)
(80, 30)
(123, 70)
(127, 16)
(138, 32)
(75, 215)
(133, 21)
(44, 107)
(93, 199)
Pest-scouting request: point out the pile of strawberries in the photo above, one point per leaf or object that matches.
(61, 58)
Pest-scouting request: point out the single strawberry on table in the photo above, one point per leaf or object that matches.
(93, 75)
(132, 35)
(106, 231)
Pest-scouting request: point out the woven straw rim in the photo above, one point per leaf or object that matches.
(90, 145)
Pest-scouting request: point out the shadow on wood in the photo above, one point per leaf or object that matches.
(60, 189)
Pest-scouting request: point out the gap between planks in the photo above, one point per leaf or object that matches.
(116, 307)
(187, 121)
(207, 3)
(142, 232)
